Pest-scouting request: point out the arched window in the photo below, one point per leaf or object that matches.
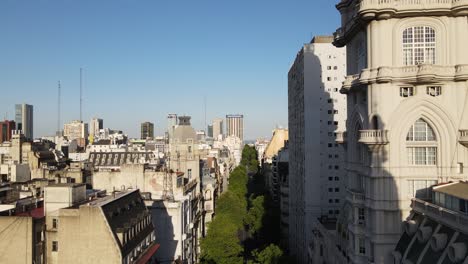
(419, 44)
(421, 144)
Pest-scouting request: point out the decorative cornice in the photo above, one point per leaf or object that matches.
(424, 73)
(367, 10)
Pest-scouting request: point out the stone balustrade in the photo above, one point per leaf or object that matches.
(373, 137)
(410, 74)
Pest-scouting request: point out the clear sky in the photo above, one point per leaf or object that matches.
(143, 59)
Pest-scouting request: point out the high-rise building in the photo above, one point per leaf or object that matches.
(171, 123)
(95, 125)
(217, 127)
(147, 130)
(407, 123)
(316, 111)
(6, 128)
(234, 126)
(210, 131)
(76, 130)
(24, 120)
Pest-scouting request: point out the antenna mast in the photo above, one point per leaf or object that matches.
(204, 99)
(58, 108)
(81, 94)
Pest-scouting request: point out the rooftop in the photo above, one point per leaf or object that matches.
(458, 189)
(322, 39)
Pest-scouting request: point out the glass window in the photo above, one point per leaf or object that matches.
(406, 91)
(54, 245)
(419, 45)
(434, 90)
(462, 205)
(426, 154)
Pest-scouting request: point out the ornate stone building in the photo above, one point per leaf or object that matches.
(407, 123)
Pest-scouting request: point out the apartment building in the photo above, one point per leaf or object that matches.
(76, 130)
(147, 130)
(6, 128)
(95, 126)
(407, 117)
(97, 228)
(316, 111)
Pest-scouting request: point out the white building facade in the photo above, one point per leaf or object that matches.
(407, 99)
(316, 111)
(234, 126)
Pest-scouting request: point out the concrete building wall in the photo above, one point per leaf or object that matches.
(84, 237)
(316, 110)
(16, 242)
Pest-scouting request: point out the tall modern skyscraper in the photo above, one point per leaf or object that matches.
(210, 131)
(5, 130)
(234, 126)
(147, 130)
(217, 127)
(95, 125)
(316, 111)
(24, 120)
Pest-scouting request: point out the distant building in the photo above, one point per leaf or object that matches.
(316, 111)
(210, 131)
(217, 127)
(147, 130)
(171, 123)
(6, 128)
(76, 130)
(95, 126)
(234, 126)
(24, 120)
(83, 228)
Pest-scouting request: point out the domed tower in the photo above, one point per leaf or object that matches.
(407, 121)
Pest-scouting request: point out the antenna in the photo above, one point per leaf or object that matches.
(58, 107)
(204, 100)
(81, 94)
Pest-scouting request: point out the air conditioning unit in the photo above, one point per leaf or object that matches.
(191, 225)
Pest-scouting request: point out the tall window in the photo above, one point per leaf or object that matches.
(421, 144)
(419, 45)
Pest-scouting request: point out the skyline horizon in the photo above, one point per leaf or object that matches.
(143, 60)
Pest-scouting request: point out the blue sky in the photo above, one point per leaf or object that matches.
(144, 59)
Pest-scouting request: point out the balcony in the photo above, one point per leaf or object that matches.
(373, 137)
(428, 73)
(355, 197)
(340, 137)
(441, 214)
(463, 137)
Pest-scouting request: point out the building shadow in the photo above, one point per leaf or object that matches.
(164, 215)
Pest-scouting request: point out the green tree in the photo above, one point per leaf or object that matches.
(222, 244)
(254, 217)
(270, 255)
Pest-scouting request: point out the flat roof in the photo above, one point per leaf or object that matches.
(457, 189)
(322, 39)
(66, 185)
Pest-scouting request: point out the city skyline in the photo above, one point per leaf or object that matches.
(156, 69)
